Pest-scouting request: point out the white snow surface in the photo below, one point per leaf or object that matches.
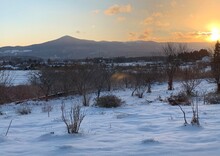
(139, 127)
(19, 77)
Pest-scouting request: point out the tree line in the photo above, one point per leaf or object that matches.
(96, 77)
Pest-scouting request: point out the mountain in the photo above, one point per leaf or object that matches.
(73, 48)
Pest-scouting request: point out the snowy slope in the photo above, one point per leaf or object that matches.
(139, 127)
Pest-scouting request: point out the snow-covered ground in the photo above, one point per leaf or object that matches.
(18, 77)
(143, 63)
(139, 127)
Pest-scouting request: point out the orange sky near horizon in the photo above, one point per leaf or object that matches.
(25, 22)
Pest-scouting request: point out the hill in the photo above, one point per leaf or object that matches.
(73, 48)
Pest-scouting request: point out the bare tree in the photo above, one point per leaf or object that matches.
(99, 78)
(73, 118)
(171, 50)
(44, 79)
(215, 66)
(65, 80)
(127, 79)
(5, 78)
(151, 76)
(140, 84)
(83, 81)
(108, 76)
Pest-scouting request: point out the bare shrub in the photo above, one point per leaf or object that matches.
(190, 80)
(179, 99)
(73, 118)
(24, 110)
(184, 115)
(47, 109)
(195, 111)
(108, 101)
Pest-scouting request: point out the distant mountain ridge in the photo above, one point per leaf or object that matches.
(68, 47)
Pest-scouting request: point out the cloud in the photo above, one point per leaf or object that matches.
(191, 36)
(132, 36)
(117, 9)
(156, 20)
(142, 37)
(202, 33)
(149, 21)
(145, 35)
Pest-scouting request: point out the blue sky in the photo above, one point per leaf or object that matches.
(25, 22)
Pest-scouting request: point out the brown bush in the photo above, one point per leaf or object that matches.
(18, 93)
(23, 92)
(108, 101)
(212, 98)
(4, 94)
(179, 99)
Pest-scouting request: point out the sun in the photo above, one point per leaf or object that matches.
(215, 34)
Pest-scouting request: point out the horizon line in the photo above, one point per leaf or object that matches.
(42, 42)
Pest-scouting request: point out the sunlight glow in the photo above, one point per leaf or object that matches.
(215, 34)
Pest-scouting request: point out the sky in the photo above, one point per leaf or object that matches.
(25, 22)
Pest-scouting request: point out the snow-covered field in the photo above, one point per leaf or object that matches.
(139, 127)
(18, 77)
